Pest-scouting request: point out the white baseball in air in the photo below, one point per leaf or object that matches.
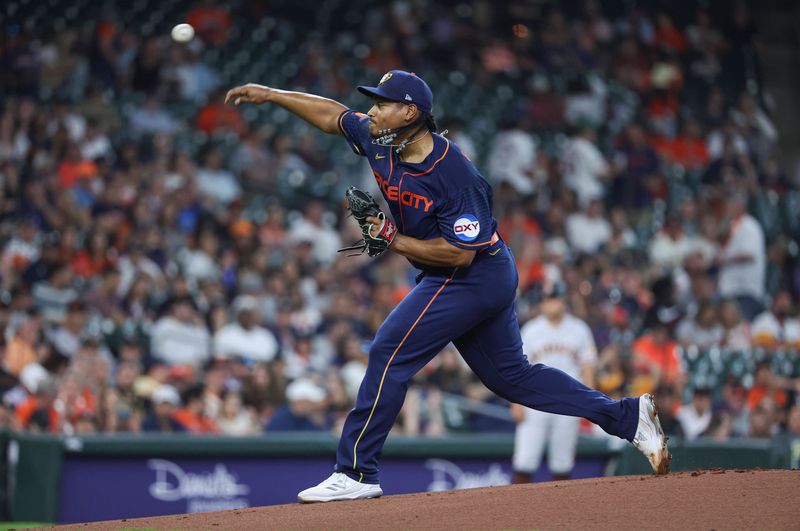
(182, 33)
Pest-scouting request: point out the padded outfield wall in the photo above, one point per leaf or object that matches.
(78, 479)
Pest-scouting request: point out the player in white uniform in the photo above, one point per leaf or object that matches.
(563, 341)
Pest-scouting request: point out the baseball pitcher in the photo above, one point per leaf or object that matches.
(441, 220)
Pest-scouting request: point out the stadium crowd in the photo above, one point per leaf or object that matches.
(149, 286)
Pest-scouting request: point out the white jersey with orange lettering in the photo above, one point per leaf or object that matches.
(566, 345)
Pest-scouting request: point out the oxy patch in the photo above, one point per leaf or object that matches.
(467, 228)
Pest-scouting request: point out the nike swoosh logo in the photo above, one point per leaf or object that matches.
(494, 253)
(379, 157)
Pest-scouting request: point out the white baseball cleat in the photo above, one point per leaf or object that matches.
(339, 487)
(650, 438)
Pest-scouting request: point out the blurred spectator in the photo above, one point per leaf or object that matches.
(777, 329)
(22, 349)
(165, 400)
(772, 176)
(761, 132)
(103, 297)
(354, 367)
(688, 148)
(667, 36)
(765, 391)
(194, 78)
(264, 389)
(312, 228)
(121, 406)
(742, 259)
(737, 334)
(52, 296)
(726, 142)
(236, 419)
(670, 246)
(180, 337)
(136, 263)
(303, 358)
(214, 182)
(421, 413)
(695, 417)
(215, 117)
(38, 413)
(147, 66)
(731, 412)
(587, 231)
(151, 118)
(305, 410)
(638, 164)
(703, 330)
(211, 22)
(198, 259)
(585, 167)
(244, 339)
(253, 163)
(761, 425)
(192, 416)
(512, 158)
(586, 102)
(611, 371)
(66, 339)
(656, 357)
(22, 249)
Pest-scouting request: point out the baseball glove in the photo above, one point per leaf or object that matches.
(376, 239)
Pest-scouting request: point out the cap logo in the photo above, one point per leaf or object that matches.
(386, 77)
(408, 98)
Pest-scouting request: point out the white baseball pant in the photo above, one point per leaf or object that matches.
(559, 433)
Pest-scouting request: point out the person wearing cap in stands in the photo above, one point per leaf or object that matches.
(305, 410)
(165, 400)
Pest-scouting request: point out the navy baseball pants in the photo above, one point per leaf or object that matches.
(474, 308)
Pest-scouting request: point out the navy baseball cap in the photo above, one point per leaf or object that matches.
(557, 290)
(403, 87)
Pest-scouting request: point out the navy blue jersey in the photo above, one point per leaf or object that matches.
(443, 196)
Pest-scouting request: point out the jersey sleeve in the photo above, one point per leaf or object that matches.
(355, 128)
(465, 220)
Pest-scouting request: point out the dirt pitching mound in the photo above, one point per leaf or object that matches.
(715, 499)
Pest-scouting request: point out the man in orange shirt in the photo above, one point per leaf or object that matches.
(215, 115)
(193, 416)
(37, 412)
(688, 149)
(655, 354)
(765, 386)
(211, 21)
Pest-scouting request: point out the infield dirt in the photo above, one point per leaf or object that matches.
(707, 499)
